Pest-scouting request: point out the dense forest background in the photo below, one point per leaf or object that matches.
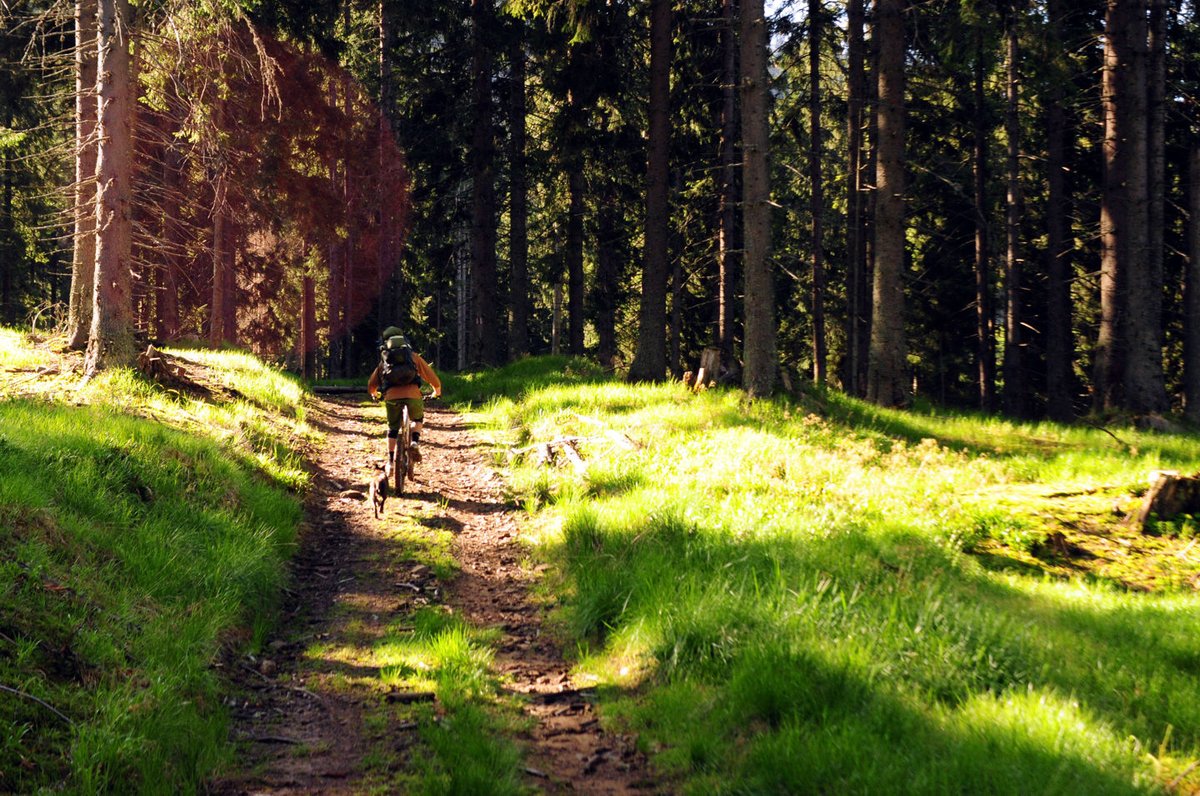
(985, 204)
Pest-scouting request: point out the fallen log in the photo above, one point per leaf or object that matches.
(338, 389)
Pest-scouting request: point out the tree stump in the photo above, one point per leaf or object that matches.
(710, 363)
(1171, 495)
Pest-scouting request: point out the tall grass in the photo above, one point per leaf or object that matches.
(131, 551)
(787, 597)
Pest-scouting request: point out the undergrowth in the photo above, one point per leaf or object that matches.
(140, 533)
(824, 596)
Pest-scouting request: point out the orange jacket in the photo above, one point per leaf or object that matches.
(407, 390)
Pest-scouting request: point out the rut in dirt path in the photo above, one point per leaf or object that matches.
(304, 719)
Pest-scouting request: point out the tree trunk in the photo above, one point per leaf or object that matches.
(486, 340)
(83, 258)
(110, 342)
(1191, 296)
(760, 359)
(1059, 348)
(869, 201)
(1144, 384)
(1107, 366)
(887, 366)
(817, 204)
(220, 282)
(984, 338)
(727, 257)
(230, 249)
(350, 251)
(518, 201)
(650, 359)
(856, 249)
(166, 303)
(1156, 184)
(675, 324)
(574, 253)
(1014, 377)
(308, 329)
(8, 237)
(336, 278)
(387, 255)
(604, 296)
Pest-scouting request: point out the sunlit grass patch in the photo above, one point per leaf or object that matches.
(464, 744)
(424, 537)
(130, 548)
(268, 442)
(263, 385)
(812, 596)
(16, 352)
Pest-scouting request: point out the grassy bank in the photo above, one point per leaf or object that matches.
(141, 530)
(822, 596)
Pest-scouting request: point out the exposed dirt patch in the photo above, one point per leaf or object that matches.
(302, 714)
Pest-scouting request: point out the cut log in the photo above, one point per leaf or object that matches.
(1170, 496)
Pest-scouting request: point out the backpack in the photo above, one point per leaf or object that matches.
(396, 365)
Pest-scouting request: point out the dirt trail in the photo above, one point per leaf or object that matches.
(301, 718)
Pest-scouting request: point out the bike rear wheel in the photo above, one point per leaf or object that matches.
(400, 467)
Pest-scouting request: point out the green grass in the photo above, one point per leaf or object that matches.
(462, 744)
(828, 597)
(139, 535)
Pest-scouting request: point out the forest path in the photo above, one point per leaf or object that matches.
(308, 717)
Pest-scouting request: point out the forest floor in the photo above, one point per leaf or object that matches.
(315, 713)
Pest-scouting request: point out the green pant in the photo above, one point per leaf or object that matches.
(416, 413)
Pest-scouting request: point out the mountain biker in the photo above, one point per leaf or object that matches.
(397, 395)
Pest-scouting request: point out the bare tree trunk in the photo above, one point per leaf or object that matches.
(856, 249)
(308, 329)
(486, 340)
(1144, 382)
(1059, 348)
(727, 212)
(8, 254)
(220, 282)
(675, 324)
(1107, 374)
(887, 367)
(985, 339)
(1156, 187)
(110, 342)
(870, 196)
(518, 201)
(650, 359)
(230, 250)
(1014, 376)
(817, 204)
(574, 253)
(760, 358)
(1191, 296)
(83, 262)
(167, 301)
(604, 298)
(387, 255)
(349, 202)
